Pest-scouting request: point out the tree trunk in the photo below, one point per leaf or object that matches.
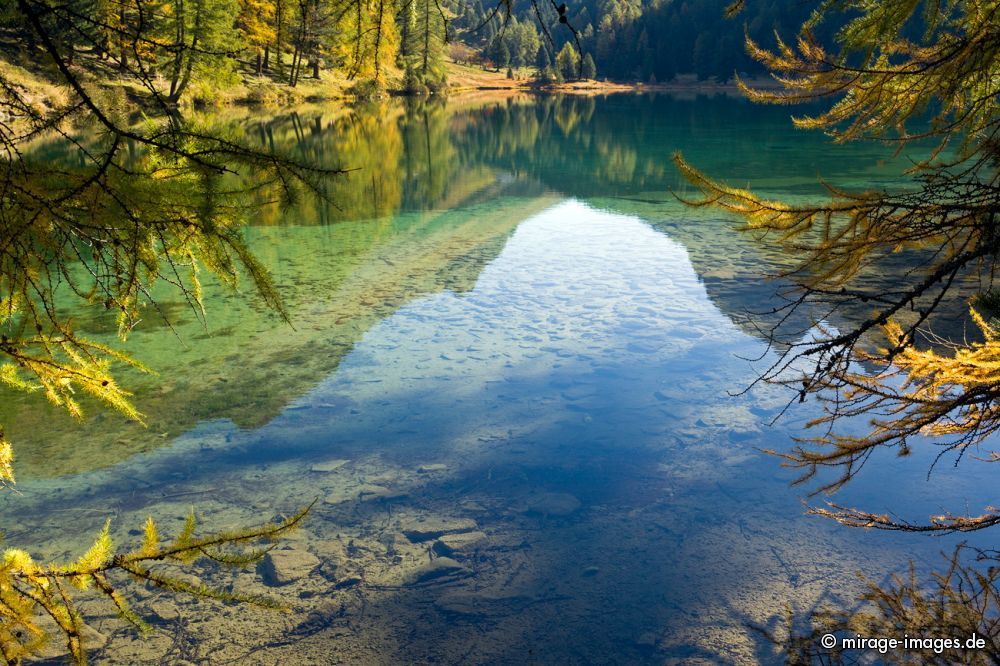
(178, 64)
(378, 36)
(123, 47)
(279, 33)
(427, 34)
(314, 41)
(189, 64)
(359, 35)
(293, 75)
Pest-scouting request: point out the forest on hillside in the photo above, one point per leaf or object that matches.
(628, 40)
(206, 45)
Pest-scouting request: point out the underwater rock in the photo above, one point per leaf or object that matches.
(333, 555)
(649, 642)
(56, 647)
(439, 568)
(328, 466)
(280, 567)
(97, 610)
(329, 570)
(463, 603)
(370, 492)
(435, 467)
(350, 581)
(451, 544)
(339, 496)
(245, 582)
(552, 504)
(92, 638)
(365, 493)
(473, 506)
(481, 603)
(319, 618)
(425, 529)
(332, 551)
(164, 611)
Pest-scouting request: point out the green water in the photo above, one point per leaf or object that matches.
(502, 322)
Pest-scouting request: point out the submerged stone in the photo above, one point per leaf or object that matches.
(647, 641)
(417, 530)
(56, 647)
(435, 569)
(552, 504)
(481, 603)
(281, 567)
(451, 544)
(462, 603)
(164, 611)
(328, 466)
(331, 551)
(370, 492)
(350, 581)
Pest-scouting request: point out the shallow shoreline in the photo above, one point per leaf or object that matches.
(579, 88)
(465, 81)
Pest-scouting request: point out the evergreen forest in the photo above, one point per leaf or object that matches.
(192, 50)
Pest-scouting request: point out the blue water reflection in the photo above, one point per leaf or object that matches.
(589, 361)
(566, 422)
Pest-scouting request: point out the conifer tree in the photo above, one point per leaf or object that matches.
(542, 58)
(274, 51)
(567, 62)
(502, 54)
(589, 69)
(194, 40)
(424, 45)
(255, 22)
(365, 37)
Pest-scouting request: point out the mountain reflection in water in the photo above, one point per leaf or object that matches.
(507, 384)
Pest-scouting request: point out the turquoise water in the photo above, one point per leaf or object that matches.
(509, 385)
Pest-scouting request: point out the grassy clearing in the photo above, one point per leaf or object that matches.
(42, 94)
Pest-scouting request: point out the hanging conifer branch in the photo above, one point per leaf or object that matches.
(155, 202)
(28, 588)
(891, 367)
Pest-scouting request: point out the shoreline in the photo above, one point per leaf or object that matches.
(464, 81)
(289, 98)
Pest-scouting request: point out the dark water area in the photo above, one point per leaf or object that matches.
(509, 383)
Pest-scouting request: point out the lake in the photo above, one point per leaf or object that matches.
(513, 383)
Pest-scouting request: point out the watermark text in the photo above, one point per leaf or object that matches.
(907, 642)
